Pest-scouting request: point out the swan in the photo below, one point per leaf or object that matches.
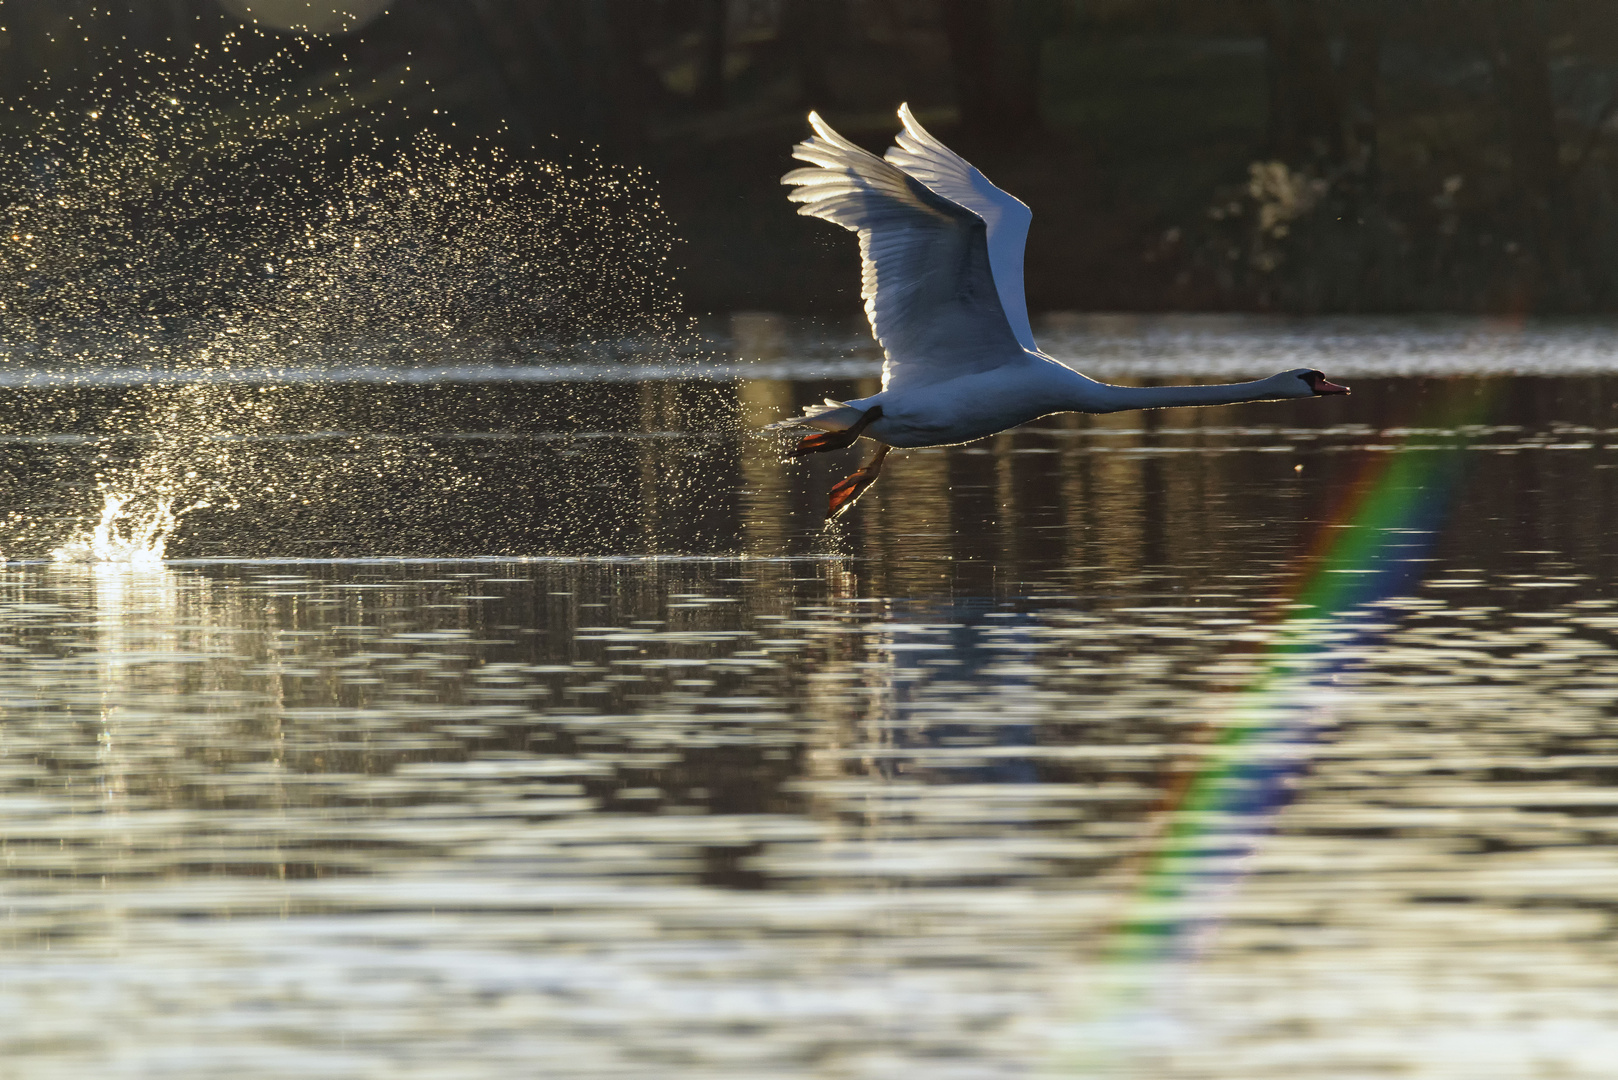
(941, 254)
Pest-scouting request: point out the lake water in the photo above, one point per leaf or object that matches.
(492, 725)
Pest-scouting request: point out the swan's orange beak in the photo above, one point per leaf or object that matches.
(1323, 386)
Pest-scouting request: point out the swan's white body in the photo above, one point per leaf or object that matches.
(1024, 388)
(941, 272)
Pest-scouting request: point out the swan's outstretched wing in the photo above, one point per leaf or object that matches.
(926, 279)
(952, 177)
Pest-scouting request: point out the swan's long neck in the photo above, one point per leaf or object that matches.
(1098, 397)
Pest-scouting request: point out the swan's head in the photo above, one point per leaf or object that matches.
(1315, 383)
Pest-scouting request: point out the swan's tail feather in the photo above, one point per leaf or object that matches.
(832, 416)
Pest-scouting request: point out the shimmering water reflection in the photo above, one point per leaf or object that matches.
(745, 818)
(1053, 761)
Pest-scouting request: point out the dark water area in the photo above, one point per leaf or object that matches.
(672, 467)
(554, 735)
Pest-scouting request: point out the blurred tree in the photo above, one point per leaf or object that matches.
(995, 48)
(715, 19)
(813, 30)
(1442, 153)
(1540, 192)
(1306, 114)
(1359, 80)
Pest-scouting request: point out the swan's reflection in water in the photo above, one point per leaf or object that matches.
(895, 812)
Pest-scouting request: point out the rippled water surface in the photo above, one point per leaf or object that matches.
(1274, 741)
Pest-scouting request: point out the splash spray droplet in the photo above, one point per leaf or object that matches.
(124, 536)
(196, 282)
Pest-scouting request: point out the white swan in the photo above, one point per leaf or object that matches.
(941, 252)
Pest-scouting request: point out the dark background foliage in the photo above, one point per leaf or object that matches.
(1296, 155)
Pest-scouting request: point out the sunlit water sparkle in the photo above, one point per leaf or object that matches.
(689, 788)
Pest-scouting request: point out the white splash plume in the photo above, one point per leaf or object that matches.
(125, 536)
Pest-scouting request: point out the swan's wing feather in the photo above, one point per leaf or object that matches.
(949, 176)
(926, 280)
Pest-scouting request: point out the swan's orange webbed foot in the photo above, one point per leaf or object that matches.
(825, 440)
(836, 440)
(847, 491)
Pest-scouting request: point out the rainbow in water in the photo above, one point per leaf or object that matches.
(1372, 550)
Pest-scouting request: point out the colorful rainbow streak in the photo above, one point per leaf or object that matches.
(1371, 551)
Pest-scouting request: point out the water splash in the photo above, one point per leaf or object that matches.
(191, 221)
(125, 536)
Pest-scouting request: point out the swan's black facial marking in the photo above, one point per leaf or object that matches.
(1319, 385)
